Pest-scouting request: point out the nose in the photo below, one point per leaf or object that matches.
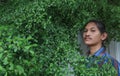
(87, 33)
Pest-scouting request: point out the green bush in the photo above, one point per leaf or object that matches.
(94, 67)
(16, 52)
(39, 37)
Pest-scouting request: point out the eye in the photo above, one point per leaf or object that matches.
(93, 30)
(85, 30)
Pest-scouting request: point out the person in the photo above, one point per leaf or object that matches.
(94, 36)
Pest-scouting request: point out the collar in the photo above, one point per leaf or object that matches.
(98, 52)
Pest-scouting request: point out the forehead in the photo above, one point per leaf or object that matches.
(91, 25)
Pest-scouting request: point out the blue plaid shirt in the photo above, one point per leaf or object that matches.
(101, 52)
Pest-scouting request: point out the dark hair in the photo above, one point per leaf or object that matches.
(100, 25)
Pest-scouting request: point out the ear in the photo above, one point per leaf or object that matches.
(104, 36)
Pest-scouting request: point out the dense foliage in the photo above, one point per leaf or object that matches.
(39, 37)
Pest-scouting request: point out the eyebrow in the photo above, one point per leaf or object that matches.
(91, 28)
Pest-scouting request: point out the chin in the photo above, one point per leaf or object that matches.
(88, 44)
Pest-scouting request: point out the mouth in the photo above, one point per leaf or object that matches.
(87, 38)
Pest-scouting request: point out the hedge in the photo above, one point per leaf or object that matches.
(39, 37)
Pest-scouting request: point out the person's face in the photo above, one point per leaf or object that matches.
(92, 35)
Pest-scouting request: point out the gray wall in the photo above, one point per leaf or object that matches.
(114, 49)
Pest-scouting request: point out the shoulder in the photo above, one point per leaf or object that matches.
(115, 63)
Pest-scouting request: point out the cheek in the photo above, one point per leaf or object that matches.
(97, 37)
(83, 35)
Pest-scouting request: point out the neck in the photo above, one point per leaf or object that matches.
(94, 49)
